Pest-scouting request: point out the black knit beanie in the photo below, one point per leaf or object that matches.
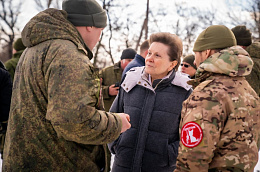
(190, 60)
(243, 35)
(85, 13)
(128, 53)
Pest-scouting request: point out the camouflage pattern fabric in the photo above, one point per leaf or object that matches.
(254, 78)
(54, 123)
(110, 75)
(227, 109)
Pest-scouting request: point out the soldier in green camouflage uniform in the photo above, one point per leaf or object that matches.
(254, 77)
(112, 75)
(11, 64)
(54, 123)
(244, 39)
(220, 120)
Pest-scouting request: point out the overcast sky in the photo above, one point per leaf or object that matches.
(28, 10)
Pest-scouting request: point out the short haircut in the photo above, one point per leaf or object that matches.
(144, 46)
(171, 40)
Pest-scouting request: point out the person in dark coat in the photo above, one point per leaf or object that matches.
(152, 95)
(139, 59)
(5, 100)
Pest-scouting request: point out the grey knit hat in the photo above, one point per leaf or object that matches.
(85, 13)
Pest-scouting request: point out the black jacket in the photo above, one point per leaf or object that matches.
(5, 93)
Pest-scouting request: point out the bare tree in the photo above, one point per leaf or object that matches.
(255, 14)
(44, 4)
(106, 6)
(117, 36)
(8, 23)
(252, 21)
(144, 26)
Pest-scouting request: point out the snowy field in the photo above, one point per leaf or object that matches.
(257, 167)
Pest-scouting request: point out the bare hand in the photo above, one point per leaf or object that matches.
(113, 91)
(125, 122)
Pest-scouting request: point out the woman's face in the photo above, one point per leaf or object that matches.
(157, 61)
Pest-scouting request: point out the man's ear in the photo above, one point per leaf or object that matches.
(146, 52)
(209, 52)
(89, 28)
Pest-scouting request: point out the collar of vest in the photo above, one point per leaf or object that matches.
(138, 76)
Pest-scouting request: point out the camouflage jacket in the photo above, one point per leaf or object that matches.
(110, 75)
(254, 78)
(219, 125)
(54, 123)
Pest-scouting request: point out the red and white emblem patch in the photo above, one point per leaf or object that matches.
(191, 134)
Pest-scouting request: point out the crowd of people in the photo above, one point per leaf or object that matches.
(153, 110)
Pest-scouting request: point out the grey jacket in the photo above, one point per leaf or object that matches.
(151, 144)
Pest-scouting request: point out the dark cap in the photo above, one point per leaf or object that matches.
(190, 60)
(243, 35)
(18, 45)
(128, 53)
(85, 13)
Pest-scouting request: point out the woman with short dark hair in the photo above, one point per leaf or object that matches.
(152, 95)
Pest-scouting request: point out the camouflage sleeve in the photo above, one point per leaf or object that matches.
(105, 88)
(10, 68)
(201, 114)
(105, 91)
(73, 93)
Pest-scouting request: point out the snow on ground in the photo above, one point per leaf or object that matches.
(257, 167)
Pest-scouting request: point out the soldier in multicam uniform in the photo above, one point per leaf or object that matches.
(220, 120)
(55, 123)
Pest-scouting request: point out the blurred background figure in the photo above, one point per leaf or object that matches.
(111, 77)
(18, 49)
(244, 39)
(5, 100)
(188, 66)
(139, 59)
